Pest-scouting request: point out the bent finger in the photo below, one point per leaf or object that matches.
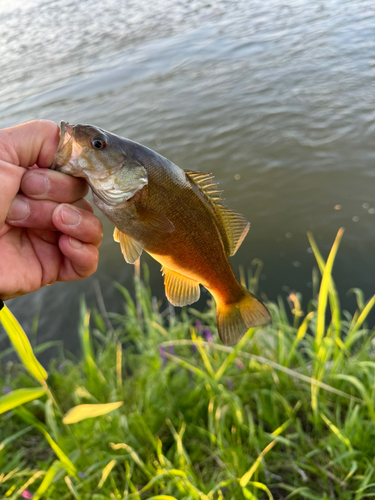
(51, 185)
(78, 223)
(80, 259)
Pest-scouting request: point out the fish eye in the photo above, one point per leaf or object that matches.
(98, 143)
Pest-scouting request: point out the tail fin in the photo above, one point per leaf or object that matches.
(233, 320)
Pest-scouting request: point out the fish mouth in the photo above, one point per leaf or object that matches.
(64, 149)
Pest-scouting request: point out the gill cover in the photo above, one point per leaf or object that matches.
(121, 184)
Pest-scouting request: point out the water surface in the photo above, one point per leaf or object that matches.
(276, 99)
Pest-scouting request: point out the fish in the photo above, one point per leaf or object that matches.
(177, 216)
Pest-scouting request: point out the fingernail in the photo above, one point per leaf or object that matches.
(18, 210)
(70, 217)
(76, 244)
(36, 184)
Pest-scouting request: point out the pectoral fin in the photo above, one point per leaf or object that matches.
(179, 289)
(153, 219)
(131, 250)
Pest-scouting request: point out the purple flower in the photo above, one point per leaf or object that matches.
(204, 331)
(6, 390)
(81, 474)
(230, 384)
(208, 335)
(198, 326)
(27, 494)
(171, 350)
(163, 357)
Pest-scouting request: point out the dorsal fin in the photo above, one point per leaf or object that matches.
(179, 289)
(205, 184)
(235, 225)
(131, 250)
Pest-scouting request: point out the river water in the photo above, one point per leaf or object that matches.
(275, 98)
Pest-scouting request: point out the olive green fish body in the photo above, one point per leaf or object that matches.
(196, 236)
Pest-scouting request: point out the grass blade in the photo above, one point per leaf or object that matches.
(28, 417)
(249, 474)
(106, 471)
(81, 412)
(20, 397)
(47, 480)
(361, 319)
(11, 438)
(333, 295)
(232, 356)
(323, 293)
(22, 345)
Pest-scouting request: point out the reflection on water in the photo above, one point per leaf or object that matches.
(275, 98)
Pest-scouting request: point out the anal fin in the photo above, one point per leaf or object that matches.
(131, 250)
(179, 289)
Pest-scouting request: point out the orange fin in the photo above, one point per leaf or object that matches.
(131, 250)
(179, 289)
(154, 220)
(235, 225)
(233, 320)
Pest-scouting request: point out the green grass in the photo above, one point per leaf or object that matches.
(157, 408)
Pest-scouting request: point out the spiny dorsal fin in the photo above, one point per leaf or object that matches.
(131, 250)
(179, 289)
(205, 184)
(235, 225)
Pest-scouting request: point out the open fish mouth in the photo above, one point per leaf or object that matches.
(64, 149)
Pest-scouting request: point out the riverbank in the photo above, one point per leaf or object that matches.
(287, 413)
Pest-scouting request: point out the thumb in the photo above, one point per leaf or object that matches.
(23, 146)
(10, 180)
(31, 143)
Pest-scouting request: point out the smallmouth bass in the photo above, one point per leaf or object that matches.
(175, 215)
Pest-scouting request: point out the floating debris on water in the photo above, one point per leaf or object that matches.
(355, 218)
(337, 207)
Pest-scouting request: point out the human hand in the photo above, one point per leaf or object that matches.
(48, 232)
